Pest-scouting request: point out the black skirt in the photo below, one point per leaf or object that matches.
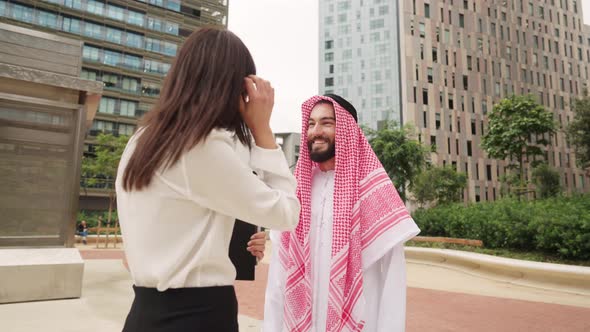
(206, 309)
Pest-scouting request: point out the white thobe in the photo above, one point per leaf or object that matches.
(384, 282)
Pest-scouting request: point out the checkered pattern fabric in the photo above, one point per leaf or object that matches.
(366, 206)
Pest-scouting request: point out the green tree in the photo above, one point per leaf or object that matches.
(578, 131)
(100, 170)
(438, 185)
(546, 179)
(402, 156)
(512, 123)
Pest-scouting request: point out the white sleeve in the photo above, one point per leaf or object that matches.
(385, 292)
(217, 178)
(275, 291)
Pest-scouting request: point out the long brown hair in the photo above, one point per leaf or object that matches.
(201, 92)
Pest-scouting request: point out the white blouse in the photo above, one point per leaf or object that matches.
(177, 230)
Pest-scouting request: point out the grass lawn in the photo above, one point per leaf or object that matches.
(524, 255)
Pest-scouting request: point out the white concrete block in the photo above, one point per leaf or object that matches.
(36, 274)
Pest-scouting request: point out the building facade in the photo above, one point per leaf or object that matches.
(360, 56)
(290, 144)
(128, 46)
(461, 57)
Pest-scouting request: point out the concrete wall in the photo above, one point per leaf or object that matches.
(39, 50)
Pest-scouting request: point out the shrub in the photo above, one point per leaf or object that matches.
(558, 226)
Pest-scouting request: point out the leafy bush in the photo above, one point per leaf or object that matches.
(91, 217)
(558, 226)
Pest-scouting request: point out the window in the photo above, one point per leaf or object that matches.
(47, 19)
(430, 78)
(422, 30)
(170, 48)
(434, 54)
(473, 127)
(128, 108)
(107, 105)
(115, 12)
(329, 56)
(102, 126)
(130, 84)
(427, 10)
(137, 18)
(134, 40)
(425, 96)
(377, 24)
(91, 53)
(437, 118)
(95, 7)
(329, 44)
(111, 58)
(132, 61)
(342, 18)
(88, 74)
(93, 30)
(154, 23)
(71, 25)
(110, 80)
(126, 129)
(461, 20)
(465, 82)
(469, 151)
(114, 35)
(449, 149)
(150, 89)
(329, 81)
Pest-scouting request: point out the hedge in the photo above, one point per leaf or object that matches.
(557, 226)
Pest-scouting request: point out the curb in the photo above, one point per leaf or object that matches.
(556, 277)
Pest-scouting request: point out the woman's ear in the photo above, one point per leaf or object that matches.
(243, 102)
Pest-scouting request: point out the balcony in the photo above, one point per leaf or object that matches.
(97, 187)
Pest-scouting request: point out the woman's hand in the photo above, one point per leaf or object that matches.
(257, 109)
(257, 244)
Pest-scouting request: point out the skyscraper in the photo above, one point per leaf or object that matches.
(128, 45)
(458, 59)
(360, 56)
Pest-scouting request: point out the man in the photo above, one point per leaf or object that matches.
(82, 231)
(343, 267)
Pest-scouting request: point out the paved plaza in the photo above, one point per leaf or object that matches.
(440, 298)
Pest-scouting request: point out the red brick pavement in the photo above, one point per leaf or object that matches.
(251, 293)
(430, 310)
(435, 311)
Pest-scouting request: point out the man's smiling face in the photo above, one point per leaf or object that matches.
(321, 132)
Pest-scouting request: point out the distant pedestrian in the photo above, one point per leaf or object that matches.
(82, 231)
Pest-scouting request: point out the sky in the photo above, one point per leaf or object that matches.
(282, 36)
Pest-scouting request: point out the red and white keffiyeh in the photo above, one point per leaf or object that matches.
(367, 213)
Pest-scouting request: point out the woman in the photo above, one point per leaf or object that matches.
(187, 174)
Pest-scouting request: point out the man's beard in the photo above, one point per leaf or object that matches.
(321, 156)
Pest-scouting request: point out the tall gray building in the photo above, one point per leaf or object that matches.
(360, 56)
(458, 58)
